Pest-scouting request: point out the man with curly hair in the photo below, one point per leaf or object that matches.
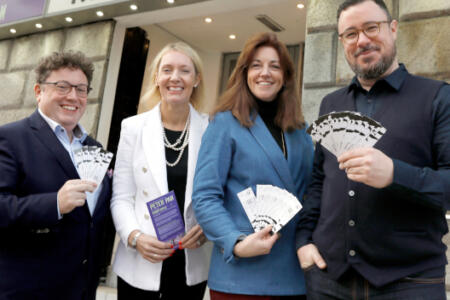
(51, 222)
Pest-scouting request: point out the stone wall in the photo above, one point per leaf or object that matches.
(422, 44)
(19, 56)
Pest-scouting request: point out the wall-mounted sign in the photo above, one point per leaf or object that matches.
(12, 11)
(59, 6)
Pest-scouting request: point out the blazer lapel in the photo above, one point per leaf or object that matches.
(273, 151)
(196, 127)
(153, 147)
(48, 138)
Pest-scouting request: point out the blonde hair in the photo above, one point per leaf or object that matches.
(153, 95)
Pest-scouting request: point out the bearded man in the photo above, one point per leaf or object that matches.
(374, 218)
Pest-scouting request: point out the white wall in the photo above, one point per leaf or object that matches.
(211, 64)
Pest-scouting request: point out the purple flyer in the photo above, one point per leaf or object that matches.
(166, 218)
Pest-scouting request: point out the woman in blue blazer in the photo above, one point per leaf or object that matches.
(256, 136)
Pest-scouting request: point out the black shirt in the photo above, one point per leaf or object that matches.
(267, 111)
(177, 175)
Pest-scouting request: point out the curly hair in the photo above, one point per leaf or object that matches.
(58, 60)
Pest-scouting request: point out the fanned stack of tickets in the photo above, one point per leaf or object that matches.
(92, 163)
(342, 131)
(272, 206)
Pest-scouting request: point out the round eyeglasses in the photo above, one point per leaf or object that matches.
(64, 88)
(371, 30)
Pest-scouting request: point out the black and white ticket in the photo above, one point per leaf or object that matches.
(345, 130)
(271, 206)
(92, 163)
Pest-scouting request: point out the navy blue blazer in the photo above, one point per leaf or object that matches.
(42, 257)
(231, 159)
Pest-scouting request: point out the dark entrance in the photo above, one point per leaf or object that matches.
(129, 82)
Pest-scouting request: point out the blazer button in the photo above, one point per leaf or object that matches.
(144, 169)
(351, 193)
(146, 216)
(352, 252)
(84, 261)
(145, 193)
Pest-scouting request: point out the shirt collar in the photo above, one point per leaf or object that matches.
(78, 132)
(395, 79)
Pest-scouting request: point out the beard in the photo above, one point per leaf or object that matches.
(376, 70)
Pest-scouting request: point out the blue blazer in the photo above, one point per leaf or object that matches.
(42, 257)
(232, 158)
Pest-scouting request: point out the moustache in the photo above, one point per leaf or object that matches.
(366, 48)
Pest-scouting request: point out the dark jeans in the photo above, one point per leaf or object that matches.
(352, 286)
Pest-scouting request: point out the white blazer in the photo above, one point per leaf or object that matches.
(140, 176)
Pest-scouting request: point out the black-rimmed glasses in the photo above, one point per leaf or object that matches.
(371, 30)
(64, 88)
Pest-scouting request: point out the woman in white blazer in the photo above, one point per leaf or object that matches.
(157, 153)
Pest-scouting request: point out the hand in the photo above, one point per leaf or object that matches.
(309, 255)
(73, 194)
(367, 165)
(193, 239)
(151, 248)
(258, 243)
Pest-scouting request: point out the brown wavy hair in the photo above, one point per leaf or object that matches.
(58, 60)
(240, 101)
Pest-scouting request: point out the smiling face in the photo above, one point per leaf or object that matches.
(176, 78)
(369, 58)
(66, 110)
(265, 75)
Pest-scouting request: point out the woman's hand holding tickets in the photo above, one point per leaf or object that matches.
(258, 243)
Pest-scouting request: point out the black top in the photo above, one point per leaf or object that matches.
(177, 175)
(173, 272)
(267, 111)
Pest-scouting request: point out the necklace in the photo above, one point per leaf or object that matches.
(282, 143)
(180, 144)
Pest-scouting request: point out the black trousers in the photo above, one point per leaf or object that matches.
(173, 284)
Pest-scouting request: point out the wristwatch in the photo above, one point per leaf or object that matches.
(134, 240)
